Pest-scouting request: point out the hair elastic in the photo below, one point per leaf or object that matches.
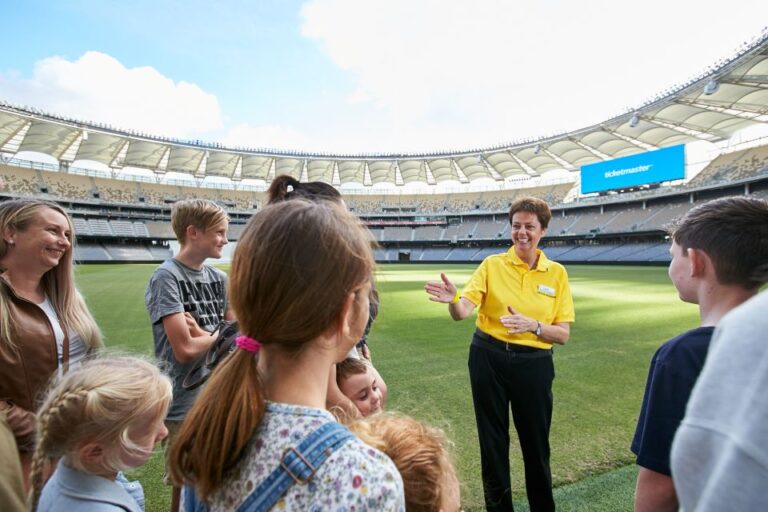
(248, 344)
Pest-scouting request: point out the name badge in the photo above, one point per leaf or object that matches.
(546, 290)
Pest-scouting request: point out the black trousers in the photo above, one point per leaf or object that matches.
(512, 376)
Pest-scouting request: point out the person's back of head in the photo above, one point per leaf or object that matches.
(105, 402)
(285, 187)
(200, 213)
(293, 271)
(733, 232)
(421, 455)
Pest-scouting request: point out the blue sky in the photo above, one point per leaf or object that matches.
(357, 75)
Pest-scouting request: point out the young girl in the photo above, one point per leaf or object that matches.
(420, 454)
(300, 282)
(102, 417)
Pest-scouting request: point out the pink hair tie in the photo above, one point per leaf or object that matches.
(248, 344)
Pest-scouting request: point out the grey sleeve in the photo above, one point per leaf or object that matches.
(227, 306)
(162, 296)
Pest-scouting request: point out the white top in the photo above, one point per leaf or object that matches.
(77, 348)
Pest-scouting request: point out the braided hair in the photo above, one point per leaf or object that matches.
(100, 401)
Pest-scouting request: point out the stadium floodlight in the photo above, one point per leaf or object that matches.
(634, 120)
(711, 87)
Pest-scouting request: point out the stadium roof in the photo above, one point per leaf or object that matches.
(729, 96)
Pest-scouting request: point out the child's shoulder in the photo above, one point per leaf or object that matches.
(69, 489)
(210, 270)
(687, 348)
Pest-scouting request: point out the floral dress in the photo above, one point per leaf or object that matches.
(355, 477)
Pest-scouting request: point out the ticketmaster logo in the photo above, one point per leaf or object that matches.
(631, 170)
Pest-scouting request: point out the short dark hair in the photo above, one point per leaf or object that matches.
(733, 232)
(532, 205)
(349, 367)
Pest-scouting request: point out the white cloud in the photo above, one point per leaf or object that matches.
(98, 87)
(465, 74)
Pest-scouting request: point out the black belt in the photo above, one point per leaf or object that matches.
(484, 340)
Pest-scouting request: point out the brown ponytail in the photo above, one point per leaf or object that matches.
(311, 191)
(219, 426)
(292, 271)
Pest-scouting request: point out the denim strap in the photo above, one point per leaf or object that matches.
(298, 465)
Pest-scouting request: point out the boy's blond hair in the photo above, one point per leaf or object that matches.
(201, 213)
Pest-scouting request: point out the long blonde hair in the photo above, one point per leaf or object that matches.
(292, 271)
(100, 400)
(58, 283)
(420, 452)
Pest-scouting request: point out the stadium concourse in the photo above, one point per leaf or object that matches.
(123, 217)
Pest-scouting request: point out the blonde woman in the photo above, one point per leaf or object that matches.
(45, 325)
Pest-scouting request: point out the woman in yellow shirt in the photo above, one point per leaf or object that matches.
(524, 307)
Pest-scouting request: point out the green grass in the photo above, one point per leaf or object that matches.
(622, 315)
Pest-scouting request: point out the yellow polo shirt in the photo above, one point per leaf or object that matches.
(541, 293)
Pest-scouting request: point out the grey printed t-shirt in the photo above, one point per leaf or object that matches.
(176, 288)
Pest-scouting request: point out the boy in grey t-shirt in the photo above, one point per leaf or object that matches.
(187, 299)
(177, 289)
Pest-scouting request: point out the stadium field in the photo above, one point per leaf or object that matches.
(622, 315)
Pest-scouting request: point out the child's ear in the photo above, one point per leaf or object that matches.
(92, 454)
(192, 232)
(345, 319)
(699, 260)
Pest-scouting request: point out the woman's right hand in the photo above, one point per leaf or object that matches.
(441, 291)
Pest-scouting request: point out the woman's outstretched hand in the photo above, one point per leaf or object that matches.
(441, 291)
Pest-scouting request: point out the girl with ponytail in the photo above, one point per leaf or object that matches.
(299, 286)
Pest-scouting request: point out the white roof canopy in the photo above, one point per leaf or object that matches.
(728, 97)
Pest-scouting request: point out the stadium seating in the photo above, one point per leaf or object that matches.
(117, 191)
(20, 180)
(68, 186)
(159, 195)
(122, 220)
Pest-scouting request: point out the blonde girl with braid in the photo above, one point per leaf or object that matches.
(101, 418)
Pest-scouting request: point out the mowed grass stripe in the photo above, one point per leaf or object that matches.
(623, 315)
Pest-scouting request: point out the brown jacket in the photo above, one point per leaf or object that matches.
(27, 367)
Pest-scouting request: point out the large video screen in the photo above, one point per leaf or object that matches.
(651, 167)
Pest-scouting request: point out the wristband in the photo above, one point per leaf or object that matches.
(456, 298)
